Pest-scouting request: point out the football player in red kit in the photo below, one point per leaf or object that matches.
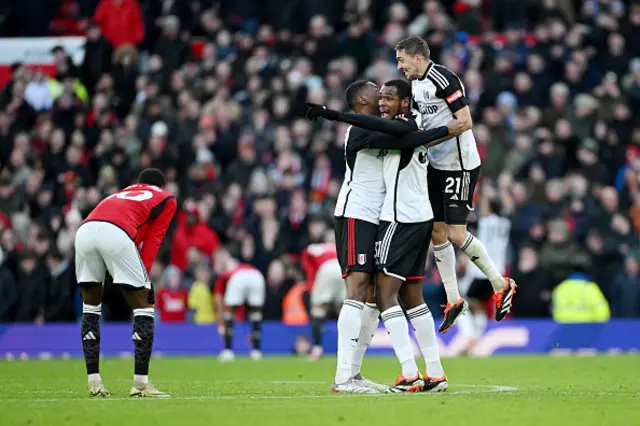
(324, 277)
(238, 284)
(122, 235)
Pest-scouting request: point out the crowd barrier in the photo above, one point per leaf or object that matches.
(511, 337)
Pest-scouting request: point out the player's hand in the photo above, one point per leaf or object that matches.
(314, 111)
(455, 127)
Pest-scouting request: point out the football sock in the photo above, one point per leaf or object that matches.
(256, 334)
(480, 321)
(91, 339)
(446, 262)
(368, 328)
(318, 316)
(473, 248)
(143, 332)
(398, 328)
(349, 322)
(228, 329)
(425, 332)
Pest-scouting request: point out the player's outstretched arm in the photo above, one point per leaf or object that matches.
(379, 140)
(391, 127)
(155, 234)
(396, 127)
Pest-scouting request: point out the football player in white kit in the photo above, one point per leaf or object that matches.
(454, 168)
(357, 214)
(403, 236)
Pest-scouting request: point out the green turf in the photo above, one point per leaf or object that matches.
(517, 391)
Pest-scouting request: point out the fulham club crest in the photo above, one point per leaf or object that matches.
(362, 259)
(425, 93)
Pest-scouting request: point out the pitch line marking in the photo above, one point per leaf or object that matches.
(475, 389)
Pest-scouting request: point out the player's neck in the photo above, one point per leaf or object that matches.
(423, 67)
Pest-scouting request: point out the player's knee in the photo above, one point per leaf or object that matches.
(91, 293)
(439, 234)
(386, 296)
(371, 293)
(457, 234)
(138, 298)
(357, 284)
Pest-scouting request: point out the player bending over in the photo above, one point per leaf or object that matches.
(238, 284)
(406, 222)
(122, 235)
(320, 262)
(454, 168)
(358, 211)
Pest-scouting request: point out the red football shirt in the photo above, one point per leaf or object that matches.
(144, 212)
(314, 256)
(172, 304)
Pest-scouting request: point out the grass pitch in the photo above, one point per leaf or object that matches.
(517, 391)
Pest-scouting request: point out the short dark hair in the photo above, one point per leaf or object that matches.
(402, 86)
(354, 91)
(152, 177)
(414, 46)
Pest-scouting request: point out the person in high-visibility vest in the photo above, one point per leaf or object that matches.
(579, 300)
(293, 309)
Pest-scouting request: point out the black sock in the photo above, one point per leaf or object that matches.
(256, 329)
(228, 329)
(318, 316)
(91, 337)
(143, 332)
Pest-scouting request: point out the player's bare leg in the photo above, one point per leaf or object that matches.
(91, 312)
(318, 317)
(227, 334)
(349, 322)
(368, 327)
(255, 318)
(141, 301)
(446, 263)
(504, 288)
(387, 291)
(422, 321)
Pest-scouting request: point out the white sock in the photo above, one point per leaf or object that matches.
(139, 378)
(479, 323)
(398, 329)
(349, 322)
(425, 329)
(466, 326)
(473, 248)
(368, 328)
(446, 262)
(95, 377)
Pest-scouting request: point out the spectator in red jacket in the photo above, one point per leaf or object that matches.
(120, 21)
(171, 300)
(192, 232)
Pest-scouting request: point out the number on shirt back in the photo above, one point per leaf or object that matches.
(135, 195)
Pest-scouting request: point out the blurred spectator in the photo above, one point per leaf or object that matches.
(578, 299)
(121, 21)
(200, 297)
(172, 299)
(191, 231)
(534, 286)
(62, 289)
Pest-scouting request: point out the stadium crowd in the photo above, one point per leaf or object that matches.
(212, 92)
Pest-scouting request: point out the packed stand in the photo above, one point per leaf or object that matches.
(214, 97)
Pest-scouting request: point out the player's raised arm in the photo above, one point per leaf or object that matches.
(157, 230)
(415, 139)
